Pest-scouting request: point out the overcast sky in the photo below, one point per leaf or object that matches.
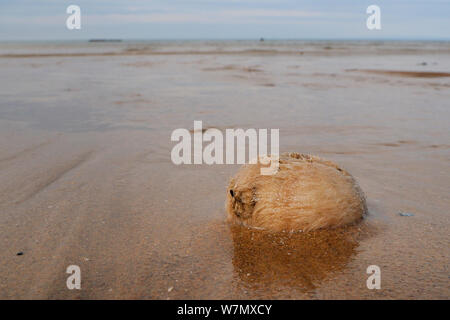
(224, 19)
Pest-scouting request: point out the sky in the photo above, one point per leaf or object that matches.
(224, 19)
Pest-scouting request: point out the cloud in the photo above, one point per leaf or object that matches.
(36, 20)
(224, 16)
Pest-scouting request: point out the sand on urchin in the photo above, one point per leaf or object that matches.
(307, 193)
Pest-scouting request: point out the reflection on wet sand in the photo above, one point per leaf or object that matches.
(293, 260)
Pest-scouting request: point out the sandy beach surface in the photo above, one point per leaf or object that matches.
(86, 176)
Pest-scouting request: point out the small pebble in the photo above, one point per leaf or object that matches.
(405, 214)
(20, 253)
(170, 289)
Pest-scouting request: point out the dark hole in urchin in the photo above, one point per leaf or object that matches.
(232, 193)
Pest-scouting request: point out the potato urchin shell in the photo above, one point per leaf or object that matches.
(306, 193)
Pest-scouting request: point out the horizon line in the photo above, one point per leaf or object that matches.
(230, 39)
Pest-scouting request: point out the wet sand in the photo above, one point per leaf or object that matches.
(86, 176)
(411, 74)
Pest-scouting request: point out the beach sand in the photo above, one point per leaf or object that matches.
(86, 176)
